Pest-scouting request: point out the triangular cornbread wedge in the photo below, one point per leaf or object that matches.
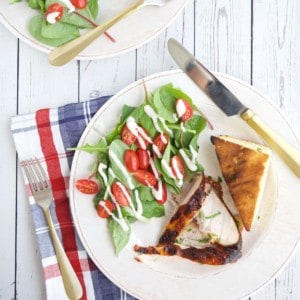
(244, 166)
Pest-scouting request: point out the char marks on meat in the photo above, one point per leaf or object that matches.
(213, 254)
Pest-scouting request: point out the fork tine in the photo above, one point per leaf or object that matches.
(40, 173)
(35, 174)
(30, 175)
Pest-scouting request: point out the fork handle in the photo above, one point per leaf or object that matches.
(71, 282)
(63, 54)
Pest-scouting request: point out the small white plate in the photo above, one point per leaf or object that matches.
(266, 249)
(130, 33)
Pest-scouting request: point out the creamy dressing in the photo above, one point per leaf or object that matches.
(190, 163)
(69, 5)
(167, 168)
(138, 132)
(122, 168)
(157, 193)
(180, 108)
(120, 218)
(176, 169)
(138, 211)
(51, 18)
(155, 117)
(156, 151)
(103, 175)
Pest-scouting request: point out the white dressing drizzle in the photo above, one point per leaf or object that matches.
(51, 18)
(182, 127)
(157, 192)
(190, 163)
(153, 168)
(122, 168)
(139, 208)
(120, 218)
(69, 5)
(138, 132)
(180, 108)
(167, 168)
(103, 175)
(155, 117)
(156, 151)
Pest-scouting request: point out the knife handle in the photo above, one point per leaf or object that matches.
(289, 154)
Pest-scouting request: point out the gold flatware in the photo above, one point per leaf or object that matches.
(63, 54)
(42, 193)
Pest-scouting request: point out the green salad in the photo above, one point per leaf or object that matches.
(151, 152)
(60, 21)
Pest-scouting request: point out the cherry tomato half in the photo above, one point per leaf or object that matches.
(103, 212)
(87, 186)
(131, 160)
(161, 142)
(121, 193)
(127, 136)
(145, 177)
(184, 109)
(54, 8)
(177, 167)
(164, 195)
(144, 158)
(80, 4)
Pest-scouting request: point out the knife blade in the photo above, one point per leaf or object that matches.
(230, 104)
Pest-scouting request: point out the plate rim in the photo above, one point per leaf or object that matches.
(220, 75)
(35, 44)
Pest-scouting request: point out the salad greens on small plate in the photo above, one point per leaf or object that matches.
(158, 277)
(27, 19)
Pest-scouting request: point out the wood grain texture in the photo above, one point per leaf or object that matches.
(8, 105)
(276, 64)
(257, 41)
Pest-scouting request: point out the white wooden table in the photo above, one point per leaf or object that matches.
(257, 41)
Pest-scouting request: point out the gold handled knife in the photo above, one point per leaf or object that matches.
(229, 103)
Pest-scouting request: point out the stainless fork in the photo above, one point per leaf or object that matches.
(41, 190)
(63, 54)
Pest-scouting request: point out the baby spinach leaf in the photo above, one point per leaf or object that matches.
(119, 236)
(101, 146)
(93, 7)
(35, 29)
(58, 30)
(164, 103)
(152, 209)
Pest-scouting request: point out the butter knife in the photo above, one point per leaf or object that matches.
(230, 104)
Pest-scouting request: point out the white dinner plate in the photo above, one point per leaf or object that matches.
(129, 33)
(266, 249)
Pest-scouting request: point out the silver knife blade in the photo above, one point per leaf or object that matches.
(207, 82)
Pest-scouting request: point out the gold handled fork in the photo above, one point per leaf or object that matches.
(63, 54)
(42, 193)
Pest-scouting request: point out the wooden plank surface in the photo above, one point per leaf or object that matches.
(257, 41)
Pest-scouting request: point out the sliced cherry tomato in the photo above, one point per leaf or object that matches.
(127, 136)
(121, 193)
(144, 158)
(144, 136)
(184, 109)
(145, 177)
(164, 195)
(79, 3)
(177, 167)
(131, 160)
(103, 212)
(87, 186)
(56, 9)
(160, 142)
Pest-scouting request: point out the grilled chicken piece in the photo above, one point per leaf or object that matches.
(178, 238)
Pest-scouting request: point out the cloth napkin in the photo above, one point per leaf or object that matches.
(46, 135)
